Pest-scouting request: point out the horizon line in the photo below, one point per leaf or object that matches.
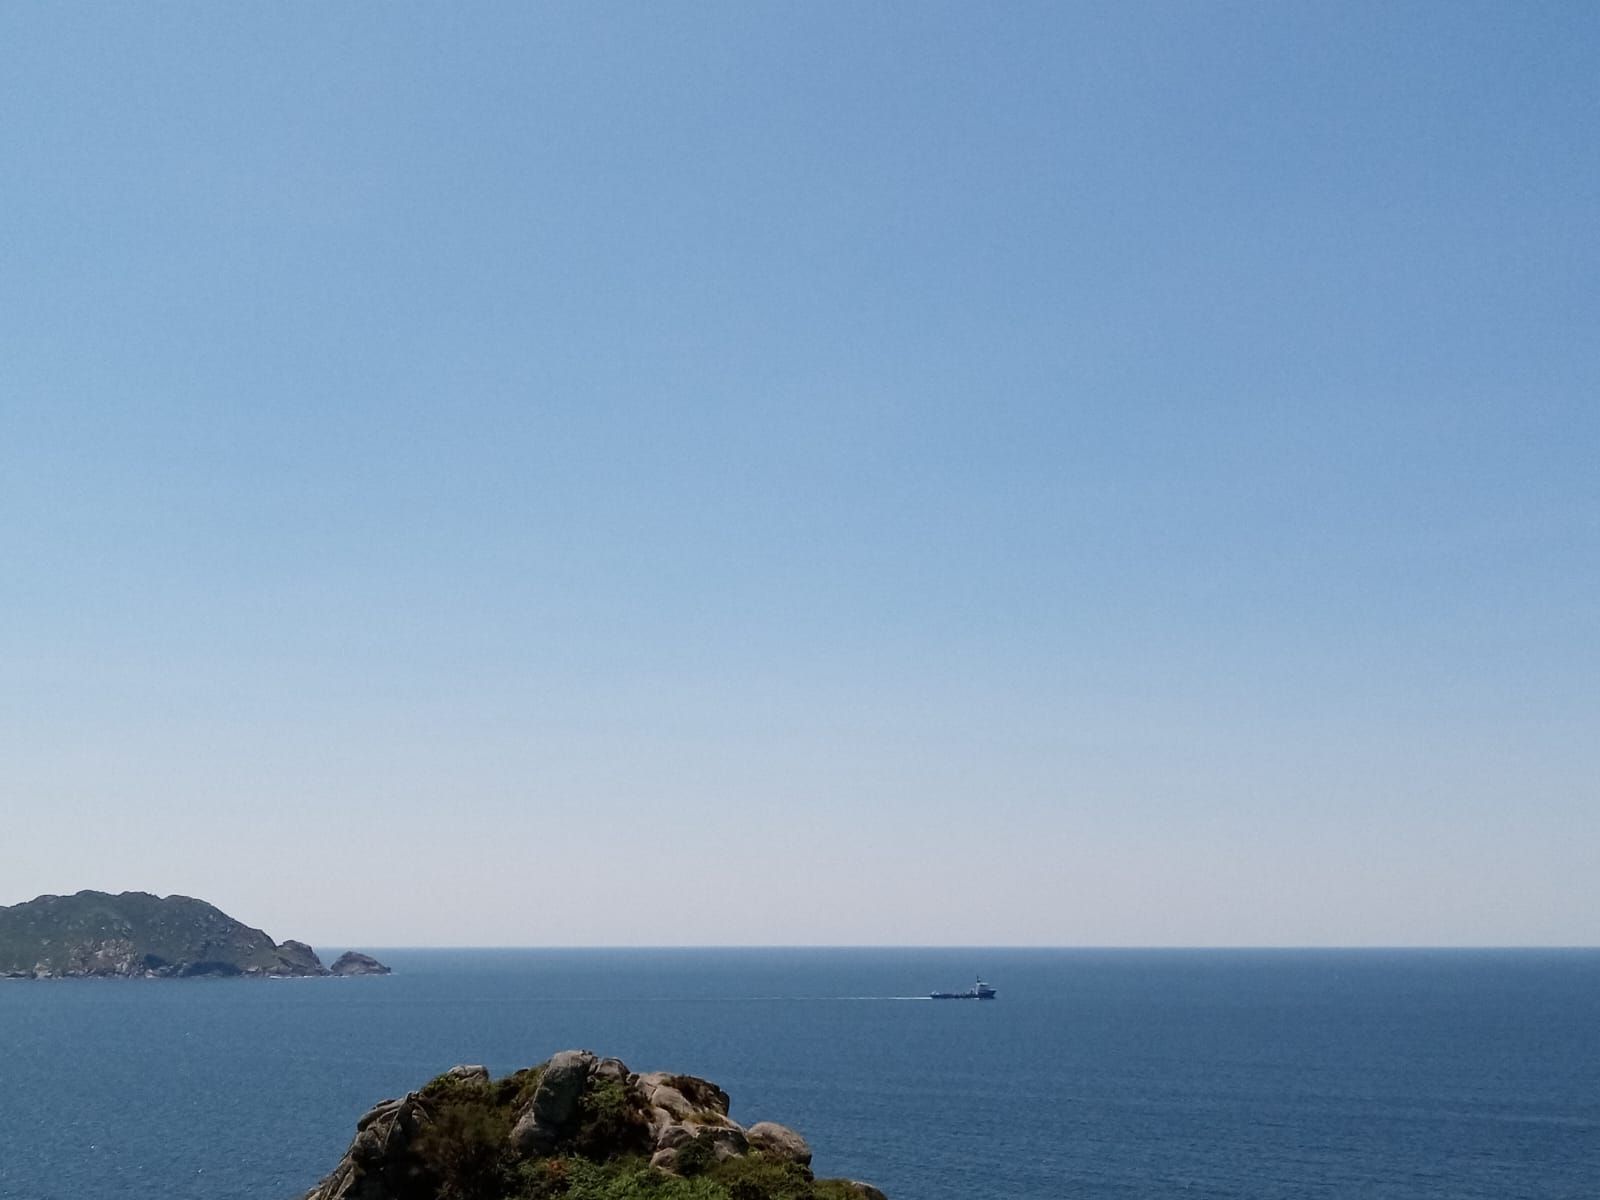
(1131, 948)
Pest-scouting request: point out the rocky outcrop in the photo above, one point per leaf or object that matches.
(352, 962)
(301, 958)
(780, 1141)
(555, 1099)
(577, 1122)
(137, 935)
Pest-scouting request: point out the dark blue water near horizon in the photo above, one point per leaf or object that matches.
(1387, 1075)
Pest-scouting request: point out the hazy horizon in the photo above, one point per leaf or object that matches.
(1061, 475)
(326, 945)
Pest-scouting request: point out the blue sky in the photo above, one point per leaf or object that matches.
(749, 473)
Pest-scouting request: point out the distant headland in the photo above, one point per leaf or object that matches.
(135, 935)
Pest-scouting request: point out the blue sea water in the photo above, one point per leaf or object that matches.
(1260, 1074)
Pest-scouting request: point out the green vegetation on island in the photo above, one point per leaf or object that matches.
(137, 935)
(577, 1127)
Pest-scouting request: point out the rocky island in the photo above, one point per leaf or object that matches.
(137, 935)
(579, 1126)
(352, 962)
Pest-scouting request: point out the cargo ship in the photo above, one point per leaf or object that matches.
(979, 991)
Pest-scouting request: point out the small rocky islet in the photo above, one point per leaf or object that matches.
(577, 1126)
(353, 962)
(136, 935)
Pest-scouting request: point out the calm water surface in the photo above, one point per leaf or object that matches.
(1381, 1075)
